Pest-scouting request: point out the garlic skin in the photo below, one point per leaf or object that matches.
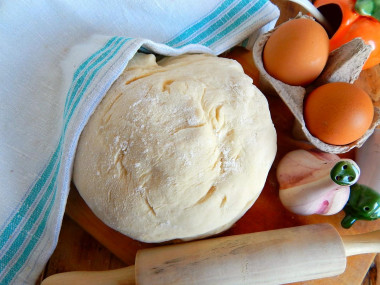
(306, 186)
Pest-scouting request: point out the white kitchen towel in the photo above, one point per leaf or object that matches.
(57, 60)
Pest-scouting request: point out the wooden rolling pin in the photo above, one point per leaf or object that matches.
(271, 257)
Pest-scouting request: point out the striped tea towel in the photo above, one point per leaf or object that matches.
(57, 60)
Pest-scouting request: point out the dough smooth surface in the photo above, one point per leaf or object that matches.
(177, 149)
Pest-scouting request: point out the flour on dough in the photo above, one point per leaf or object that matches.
(177, 149)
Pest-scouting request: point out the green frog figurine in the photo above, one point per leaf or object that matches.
(363, 204)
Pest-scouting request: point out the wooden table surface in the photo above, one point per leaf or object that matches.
(84, 244)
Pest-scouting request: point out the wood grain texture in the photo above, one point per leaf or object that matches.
(266, 214)
(122, 246)
(269, 257)
(122, 276)
(78, 250)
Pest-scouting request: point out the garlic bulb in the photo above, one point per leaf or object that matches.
(314, 182)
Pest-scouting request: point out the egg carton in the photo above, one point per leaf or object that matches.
(343, 65)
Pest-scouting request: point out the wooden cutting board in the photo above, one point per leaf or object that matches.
(267, 213)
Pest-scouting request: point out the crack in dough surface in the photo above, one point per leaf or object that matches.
(177, 149)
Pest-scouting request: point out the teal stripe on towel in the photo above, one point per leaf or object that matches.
(29, 200)
(237, 23)
(85, 63)
(35, 210)
(35, 190)
(82, 88)
(21, 261)
(78, 80)
(33, 193)
(197, 26)
(10, 228)
(218, 24)
(22, 236)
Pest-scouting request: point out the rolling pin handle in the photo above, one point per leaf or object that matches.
(362, 243)
(122, 276)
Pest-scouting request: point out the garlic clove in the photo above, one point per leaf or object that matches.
(308, 182)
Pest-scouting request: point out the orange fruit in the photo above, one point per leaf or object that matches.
(338, 113)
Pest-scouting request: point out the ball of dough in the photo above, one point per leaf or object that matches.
(177, 149)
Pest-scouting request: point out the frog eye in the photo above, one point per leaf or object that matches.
(366, 208)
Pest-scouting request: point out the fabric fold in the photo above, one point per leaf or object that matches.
(55, 68)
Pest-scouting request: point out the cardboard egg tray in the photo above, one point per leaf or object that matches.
(344, 65)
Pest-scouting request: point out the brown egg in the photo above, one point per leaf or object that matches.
(338, 113)
(296, 52)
